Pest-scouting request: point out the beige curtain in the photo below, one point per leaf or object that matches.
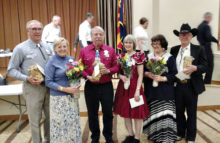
(107, 18)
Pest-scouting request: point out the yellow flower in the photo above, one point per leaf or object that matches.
(81, 67)
(126, 56)
(164, 62)
(76, 69)
(69, 73)
(80, 61)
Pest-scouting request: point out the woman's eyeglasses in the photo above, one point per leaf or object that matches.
(155, 44)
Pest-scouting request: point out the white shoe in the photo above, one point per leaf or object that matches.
(179, 138)
(190, 141)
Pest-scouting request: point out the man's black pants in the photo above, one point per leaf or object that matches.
(186, 99)
(210, 60)
(95, 94)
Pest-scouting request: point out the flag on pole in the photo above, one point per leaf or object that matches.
(121, 29)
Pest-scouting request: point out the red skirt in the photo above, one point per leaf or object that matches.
(122, 105)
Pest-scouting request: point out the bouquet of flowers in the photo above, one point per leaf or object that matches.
(128, 64)
(157, 66)
(74, 72)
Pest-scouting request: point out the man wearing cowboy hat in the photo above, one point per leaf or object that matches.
(188, 89)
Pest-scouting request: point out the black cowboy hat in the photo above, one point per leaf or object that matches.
(185, 28)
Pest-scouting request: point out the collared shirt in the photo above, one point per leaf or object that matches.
(140, 32)
(55, 74)
(85, 33)
(50, 33)
(180, 57)
(27, 54)
(107, 57)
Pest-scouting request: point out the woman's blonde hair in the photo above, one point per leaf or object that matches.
(59, 40)
(130, 37)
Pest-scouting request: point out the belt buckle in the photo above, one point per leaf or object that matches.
(183, 81)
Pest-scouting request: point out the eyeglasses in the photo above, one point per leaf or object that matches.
(35, 29)
(155, 44)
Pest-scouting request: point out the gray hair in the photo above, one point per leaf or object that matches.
(97, 28)
(32, 21)
(89, 15)
(130, 37)
(55, 17)
(207, 14)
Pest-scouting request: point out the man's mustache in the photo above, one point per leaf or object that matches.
(98, 39)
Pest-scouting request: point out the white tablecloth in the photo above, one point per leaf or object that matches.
(6, 55)
(7, 90)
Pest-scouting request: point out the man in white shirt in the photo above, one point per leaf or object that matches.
(85, 31)
(52, 31)
(141, 36)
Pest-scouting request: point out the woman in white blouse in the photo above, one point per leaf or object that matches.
(141, 36)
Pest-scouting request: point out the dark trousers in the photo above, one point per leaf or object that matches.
(145, 52)
(95, 94)
(81, 45)
(210, 60)
(186, 99)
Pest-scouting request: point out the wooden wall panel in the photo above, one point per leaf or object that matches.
(35, 9)
(43, 11)
(14, 14)
(15, 23)
(2, 33)
(21, 15)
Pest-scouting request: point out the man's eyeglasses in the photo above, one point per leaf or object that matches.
(35, 29)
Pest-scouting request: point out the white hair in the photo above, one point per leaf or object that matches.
(32, 21)
(98, 28)
(207, 14)
(55, 17)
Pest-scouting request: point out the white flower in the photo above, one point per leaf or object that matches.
(70, 60)
(133, 62)
(106, 53)
(130, 63)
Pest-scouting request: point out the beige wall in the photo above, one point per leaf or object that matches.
(167, 15)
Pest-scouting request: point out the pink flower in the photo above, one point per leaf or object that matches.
(152, 59)
(70, 67)
(68, 64)
(75, 63)
(157, 58)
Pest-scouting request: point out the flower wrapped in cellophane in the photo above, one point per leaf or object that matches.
(74, 71)
(127, 64)
(157, 66)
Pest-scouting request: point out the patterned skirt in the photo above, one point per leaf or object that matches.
(161, 126)
(64, 120)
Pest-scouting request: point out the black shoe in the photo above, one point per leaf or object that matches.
(110, 141)
(136, 141)
(95, 141)
(128, 139)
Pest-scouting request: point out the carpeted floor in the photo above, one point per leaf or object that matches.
(208, 123)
